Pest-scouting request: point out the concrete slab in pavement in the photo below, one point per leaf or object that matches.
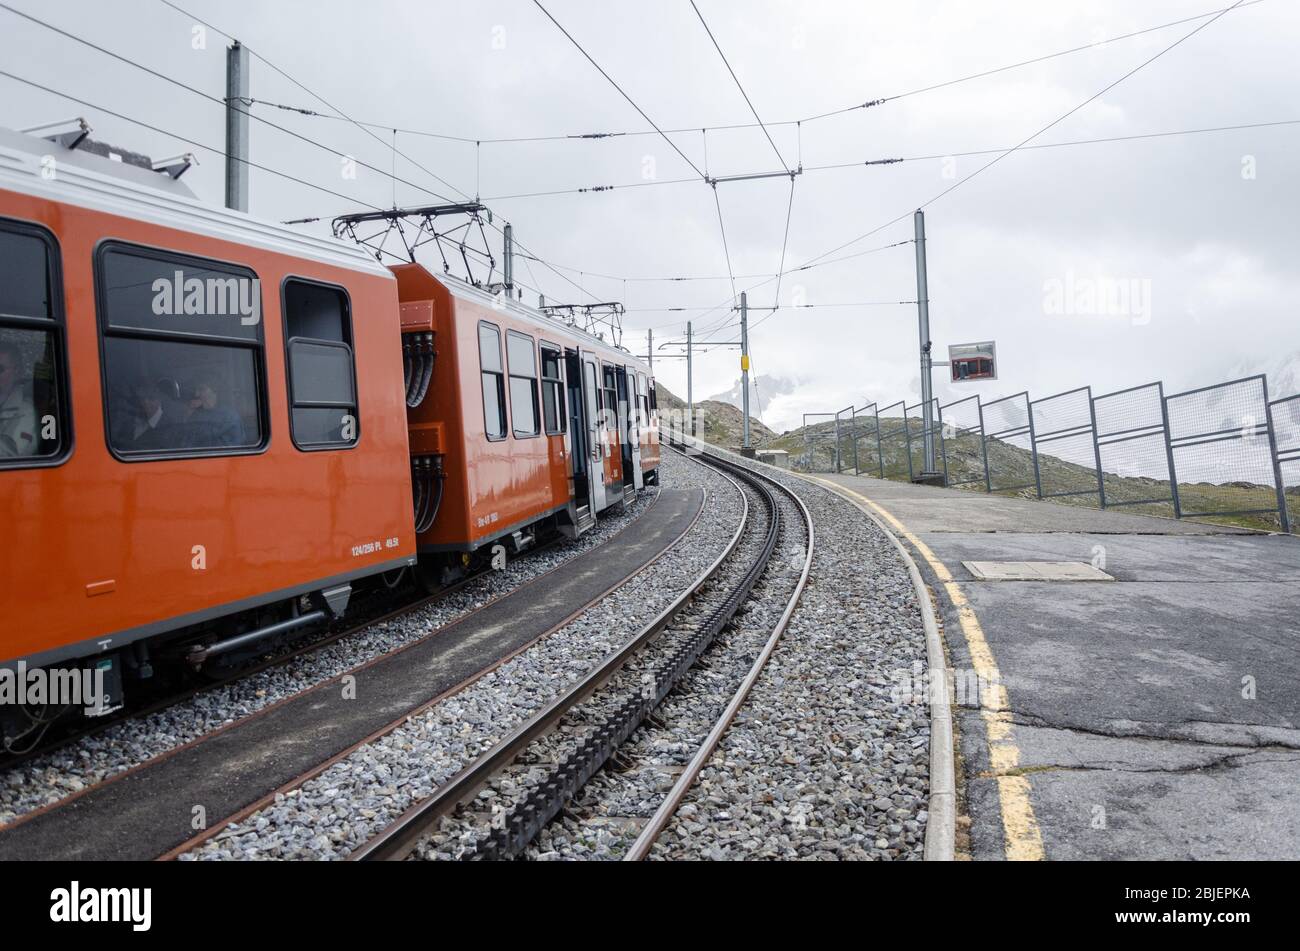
(1157, 716)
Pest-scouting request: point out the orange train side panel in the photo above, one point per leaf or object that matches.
(490, 486)
(96, 547)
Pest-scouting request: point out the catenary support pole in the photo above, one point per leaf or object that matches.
(237, 100)
(923, 320)
(744, 367)
(690, 392)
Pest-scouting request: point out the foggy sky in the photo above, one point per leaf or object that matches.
(1201, 228)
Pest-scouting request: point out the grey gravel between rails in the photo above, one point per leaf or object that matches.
(608, 813)
(356, 798)
(92, 759)
(828, 758)
(459, 832)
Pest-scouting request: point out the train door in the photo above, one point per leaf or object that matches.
(579, 438)
(610, 433)
(597, 445)
(630, 431)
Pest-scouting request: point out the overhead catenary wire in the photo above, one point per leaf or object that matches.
(739, 86)
(178, 137)
(1055, 122)
(596, 136)
(785, 242)
(621, 92)
(365, 127)
(835, 166)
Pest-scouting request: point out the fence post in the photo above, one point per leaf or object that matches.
(943, 440)
(1282, 515)
(857, 467)
(1033, 447)
(984, 450)
(880, 446)
(1169, 452)
(1096, 449)
(837, 443)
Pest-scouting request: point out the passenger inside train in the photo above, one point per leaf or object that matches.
(17, 415)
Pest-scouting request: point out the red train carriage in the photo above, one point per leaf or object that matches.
(551, 424)
(213, 429)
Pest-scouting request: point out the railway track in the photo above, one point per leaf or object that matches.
(625, 691)
(137, 744)
(403, 600)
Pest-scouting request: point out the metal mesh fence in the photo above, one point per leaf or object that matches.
(1285, 415)
(1220, 440)
(1131, 445)
(1009, 444)
(896, 460)
(866, 439)
(916, 433)
(1214, 451)
(820, 449)
(963, 442)
(1064, 448)
(846, 448)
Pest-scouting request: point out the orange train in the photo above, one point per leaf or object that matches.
(214, 430)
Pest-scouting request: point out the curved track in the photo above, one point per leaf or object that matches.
(711, 611)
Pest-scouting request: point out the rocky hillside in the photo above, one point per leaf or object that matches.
(717, 422)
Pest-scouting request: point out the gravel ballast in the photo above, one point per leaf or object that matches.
(609, 812)
(827, 759)
(355, 798)
(459, 834)
(92, 759)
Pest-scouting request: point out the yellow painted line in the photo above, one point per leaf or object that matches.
(1023, 839)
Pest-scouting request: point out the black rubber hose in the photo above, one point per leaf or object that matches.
(425, 379)
(417, 369)
(420, 492)
(427, 524)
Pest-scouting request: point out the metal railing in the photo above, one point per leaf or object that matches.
(1213, 451)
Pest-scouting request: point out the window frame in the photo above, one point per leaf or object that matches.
(558, 382)
(101, 250)
(56, 325)
(511, 376)
(643, 398)
(288, 361)
(611, 390)
(501, 381)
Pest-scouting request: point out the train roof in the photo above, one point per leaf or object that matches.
(92, 179)
(87, 176)
(484, 298)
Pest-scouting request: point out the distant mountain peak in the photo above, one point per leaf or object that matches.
(762, 390)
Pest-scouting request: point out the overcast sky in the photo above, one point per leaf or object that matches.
(1202, 229)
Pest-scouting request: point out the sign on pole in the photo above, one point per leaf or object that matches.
(973, 361)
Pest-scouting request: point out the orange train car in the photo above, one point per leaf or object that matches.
(213, 430)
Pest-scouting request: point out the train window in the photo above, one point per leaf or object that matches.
(611, 395)
(654, 396)
(322, 366)
(522, 355)
(643, 399)
(552, 392)
(34, 425)
(494, 385)
(183, 360)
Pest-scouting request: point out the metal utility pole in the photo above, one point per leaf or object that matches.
(745, 449)
(923, 320)
(508, 257)
(690, 392)
(650, 350)
(237, 127)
